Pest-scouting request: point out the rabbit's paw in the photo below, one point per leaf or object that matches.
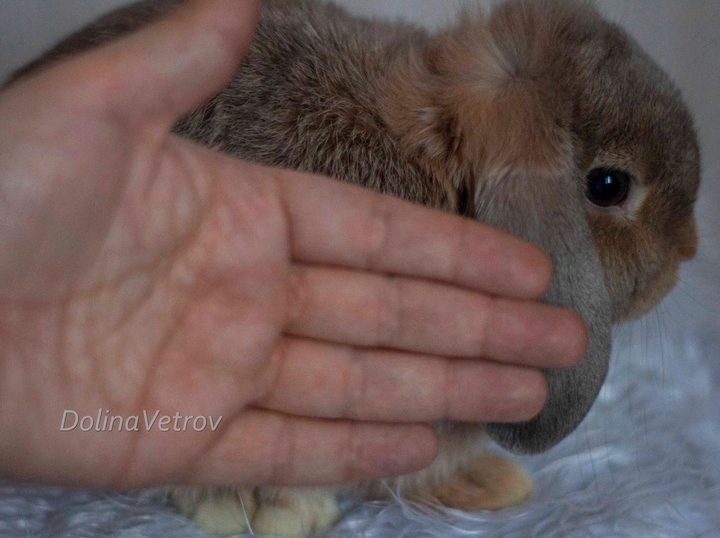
(296, 512)
(217, 511)
(489, 483)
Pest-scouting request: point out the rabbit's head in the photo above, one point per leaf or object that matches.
(550, 122)
(634, 143)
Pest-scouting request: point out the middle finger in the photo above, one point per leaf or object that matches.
(367, 309)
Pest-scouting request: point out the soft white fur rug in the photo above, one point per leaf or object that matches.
(645, 463)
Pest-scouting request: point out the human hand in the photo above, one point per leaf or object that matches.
(326, 324)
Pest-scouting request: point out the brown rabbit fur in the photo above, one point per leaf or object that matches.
(537, 90)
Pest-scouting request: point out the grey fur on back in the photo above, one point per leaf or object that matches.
(304, 99)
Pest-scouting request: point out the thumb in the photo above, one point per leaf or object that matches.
(171, 66)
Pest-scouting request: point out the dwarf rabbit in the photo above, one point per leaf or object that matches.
(540, 117)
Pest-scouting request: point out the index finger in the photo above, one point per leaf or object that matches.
(340, 224)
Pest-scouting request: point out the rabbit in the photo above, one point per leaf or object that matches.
(539, 117)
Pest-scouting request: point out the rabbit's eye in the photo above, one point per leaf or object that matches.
(607, 186)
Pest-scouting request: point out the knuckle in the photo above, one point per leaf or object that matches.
(298, 296)
(266, 387)
(449, 391)
(377, 234)
(354, 385)
(283, 456)
(481, 336)
(388, 312)
(352, 453)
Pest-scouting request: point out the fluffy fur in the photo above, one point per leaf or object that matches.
(499, 118)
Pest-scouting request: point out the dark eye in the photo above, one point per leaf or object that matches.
(607, 186)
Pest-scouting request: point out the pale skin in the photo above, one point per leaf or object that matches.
(327, 325)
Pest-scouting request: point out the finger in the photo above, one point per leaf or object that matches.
(264, 447)
(366, 309)
(321, 380)
(334, 223)
(171, 66)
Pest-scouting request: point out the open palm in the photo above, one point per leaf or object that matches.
(140, 273)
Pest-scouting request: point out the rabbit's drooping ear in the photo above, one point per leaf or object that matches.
(548, 209)
(481, 107)
(525, 181)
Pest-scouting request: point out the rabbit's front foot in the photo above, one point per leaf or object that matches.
(272, 511)
(490, 483)
(221, 511)
(296, 512)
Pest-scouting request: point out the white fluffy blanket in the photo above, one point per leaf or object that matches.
(645, 463)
